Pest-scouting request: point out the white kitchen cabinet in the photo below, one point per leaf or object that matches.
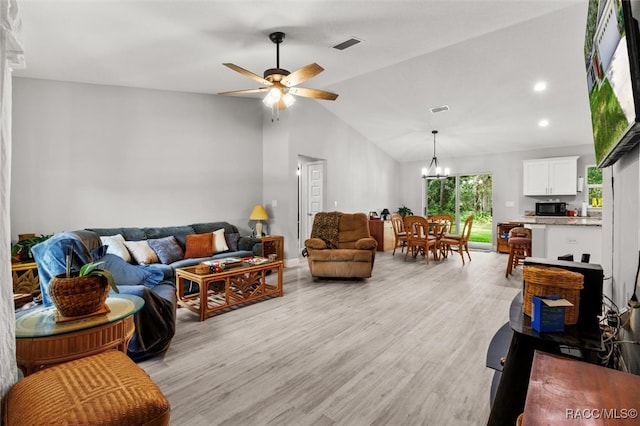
(550, 176)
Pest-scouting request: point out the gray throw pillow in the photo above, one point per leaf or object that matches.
(232, 241)
(167, 249)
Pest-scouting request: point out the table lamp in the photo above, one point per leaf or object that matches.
(259, 214)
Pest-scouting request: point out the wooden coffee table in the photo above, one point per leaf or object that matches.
(42, 342)
(234, 286)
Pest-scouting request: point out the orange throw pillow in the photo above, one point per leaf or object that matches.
(199, 245)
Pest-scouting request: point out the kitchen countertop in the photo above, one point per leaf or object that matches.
(559, 220)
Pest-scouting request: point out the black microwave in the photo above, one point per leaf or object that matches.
(551, 209)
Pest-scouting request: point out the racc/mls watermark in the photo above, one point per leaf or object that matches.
(601, 413)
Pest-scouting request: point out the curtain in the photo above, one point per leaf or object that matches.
(11, 57)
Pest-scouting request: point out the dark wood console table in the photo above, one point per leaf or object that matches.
(511, 390)
(567, 391)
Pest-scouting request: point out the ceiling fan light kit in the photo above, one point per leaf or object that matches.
(279, 83)
(434, 171)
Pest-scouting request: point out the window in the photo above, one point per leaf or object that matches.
(594, 187)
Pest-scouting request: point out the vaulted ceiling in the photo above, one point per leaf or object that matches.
(479, 57)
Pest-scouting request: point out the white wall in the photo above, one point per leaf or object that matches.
(103, 156)
(359, 176)
(621, 231)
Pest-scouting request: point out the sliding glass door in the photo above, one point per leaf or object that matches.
(461, 196)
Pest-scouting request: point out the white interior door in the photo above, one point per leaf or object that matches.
(315, 185)
(311, 196)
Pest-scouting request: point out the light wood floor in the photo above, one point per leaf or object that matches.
(406, 347)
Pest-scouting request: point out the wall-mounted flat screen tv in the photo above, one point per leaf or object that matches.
(611, 48)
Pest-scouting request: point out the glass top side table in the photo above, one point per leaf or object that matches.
(42, 342)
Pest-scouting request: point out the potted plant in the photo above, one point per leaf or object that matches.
(21, 249)
(81, 293)
(404, 211)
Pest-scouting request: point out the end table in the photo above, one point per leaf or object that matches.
(42, 342)
(273, 244)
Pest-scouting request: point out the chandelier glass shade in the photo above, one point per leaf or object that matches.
(275, 95)
(434, 171)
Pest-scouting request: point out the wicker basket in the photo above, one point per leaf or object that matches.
(78, 296)
(547, 281)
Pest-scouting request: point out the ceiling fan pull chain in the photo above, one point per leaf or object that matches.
(275, 112)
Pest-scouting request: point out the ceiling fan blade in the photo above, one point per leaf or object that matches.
(303, 74)
(313, 93)
(245, 91)
(247, 73)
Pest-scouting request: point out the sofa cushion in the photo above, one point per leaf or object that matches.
(232, 240)
(179, 232)
(126, 274)
(107, 231)
(115, 245)
(142, 252)
(352, 228)
(250, 244)
(133, 234)
(201, 228)
(199, 245)
(167, 249)
(219, 242)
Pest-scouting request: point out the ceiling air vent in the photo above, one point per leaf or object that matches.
(346, 44)
(440, 108)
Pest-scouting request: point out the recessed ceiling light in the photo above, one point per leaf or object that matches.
(540, 86)
(543, 123)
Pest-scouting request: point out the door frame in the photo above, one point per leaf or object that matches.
(304, 229)
(457, 219)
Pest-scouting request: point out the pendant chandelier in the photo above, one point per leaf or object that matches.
(434, 171)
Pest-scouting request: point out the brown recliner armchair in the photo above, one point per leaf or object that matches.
(341, 246)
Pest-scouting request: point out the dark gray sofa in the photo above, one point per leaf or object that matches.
(247, 246)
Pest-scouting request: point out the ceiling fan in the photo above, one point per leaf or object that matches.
(279, 84)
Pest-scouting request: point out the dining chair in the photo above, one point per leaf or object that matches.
(439, 228)
(446, 218)
(399, 232)
(459, 243)
(419, 241)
